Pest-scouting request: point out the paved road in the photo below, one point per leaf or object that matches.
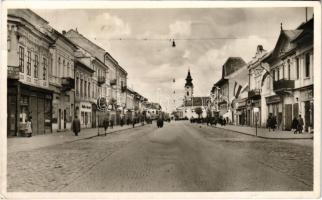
(178, 157)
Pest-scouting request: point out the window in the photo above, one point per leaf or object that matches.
(289, 69)
(59, 65)
(64, 69)
(85, 88)
(274, 77)
(278, 74)
(89, 89)
(51, 65)
(187, 93)
(21, 59)
(93, 89)
(307, 65)
(29, 63)
(297, 68)
(36, 66)
(45, 68)
(283, 72)
(81, 87)
(77, 85)
(68, 69)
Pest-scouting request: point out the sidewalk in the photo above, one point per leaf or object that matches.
(264, 133)
(16, 144)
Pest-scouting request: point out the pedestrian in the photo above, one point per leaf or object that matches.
(301, 124)
(128, 121)
(295, 125)
(269, 122)
(133, 122)
(106, 123)
(122, 122)
(76, 126)
(112, 123)
(274, 123)
(29, 127)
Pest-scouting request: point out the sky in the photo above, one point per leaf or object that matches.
(139, 39)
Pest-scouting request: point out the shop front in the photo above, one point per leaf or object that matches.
(84, 113)
(26, 101)
(252, 105)
(274, 104)
(307, 108)
(241, 111)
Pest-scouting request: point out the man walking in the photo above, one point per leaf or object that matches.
(295, 125)
(76, 126)
(106, 123)
(301, 124)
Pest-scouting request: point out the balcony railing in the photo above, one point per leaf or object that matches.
(68, 83)
(113, 82)
(254, 94)
(283, 85)
(101, 80)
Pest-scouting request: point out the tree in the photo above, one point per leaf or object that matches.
(198, 110)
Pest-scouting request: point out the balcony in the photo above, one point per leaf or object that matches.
(67, 83)
(254, 94)
(101, 80)
(113, 82)
(283, 85)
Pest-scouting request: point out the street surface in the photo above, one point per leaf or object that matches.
(179, 157)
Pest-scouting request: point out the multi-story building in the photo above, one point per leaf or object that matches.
(99, 82)
(29, 59)
(291, 68)
(61, 81)
(223, 89)
(256, 71)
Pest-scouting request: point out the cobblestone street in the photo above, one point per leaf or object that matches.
(178, 157)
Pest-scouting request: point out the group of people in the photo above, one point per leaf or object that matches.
(297, 123)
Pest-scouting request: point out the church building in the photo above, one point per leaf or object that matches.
(192, 103)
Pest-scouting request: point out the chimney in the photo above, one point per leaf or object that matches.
(64, 32)
(260, 48)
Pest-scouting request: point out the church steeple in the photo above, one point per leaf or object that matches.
(188, 80)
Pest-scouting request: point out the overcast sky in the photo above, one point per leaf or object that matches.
(204, 38)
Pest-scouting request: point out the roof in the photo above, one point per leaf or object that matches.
(197, 101)
(232, 64)
(292, 34)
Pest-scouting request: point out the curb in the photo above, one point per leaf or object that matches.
(258, 136)
(92, 136)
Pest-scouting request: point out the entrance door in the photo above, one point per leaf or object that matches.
(288, 117)
(64, 119)
(307, 121)
(34, 114)
(41, 116)
(59, 119)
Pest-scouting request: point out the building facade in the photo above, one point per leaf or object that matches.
(29, 58)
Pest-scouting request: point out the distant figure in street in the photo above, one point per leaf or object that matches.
(133, 123)
(269, 122)
(122, 122)
(112, 123)
(295, 125)
(76, 126)
(106, 123)
(301, 124)
(128, 121)
(29, 127)
(160, 122)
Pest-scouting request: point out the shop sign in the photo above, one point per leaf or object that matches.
(273, 99)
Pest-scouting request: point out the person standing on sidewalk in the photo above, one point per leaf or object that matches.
(76, 126)
(106, 123)
(295, 124)
(269, 122)
(133, 122)
(301, 124)
(29, 127)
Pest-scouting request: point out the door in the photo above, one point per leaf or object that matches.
(34, 114)
(59, 119)
(288, 117)
(307, 115)
(41, 116)
(295, 110)
(64, 119)
(11, 110)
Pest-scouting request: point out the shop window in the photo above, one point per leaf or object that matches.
(21, 59)
(36, 67)
(307, 65)
(29, 63)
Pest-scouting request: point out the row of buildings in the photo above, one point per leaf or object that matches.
(277, 82)
(54, 76)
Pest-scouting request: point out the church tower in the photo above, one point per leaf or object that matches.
(188, 87)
